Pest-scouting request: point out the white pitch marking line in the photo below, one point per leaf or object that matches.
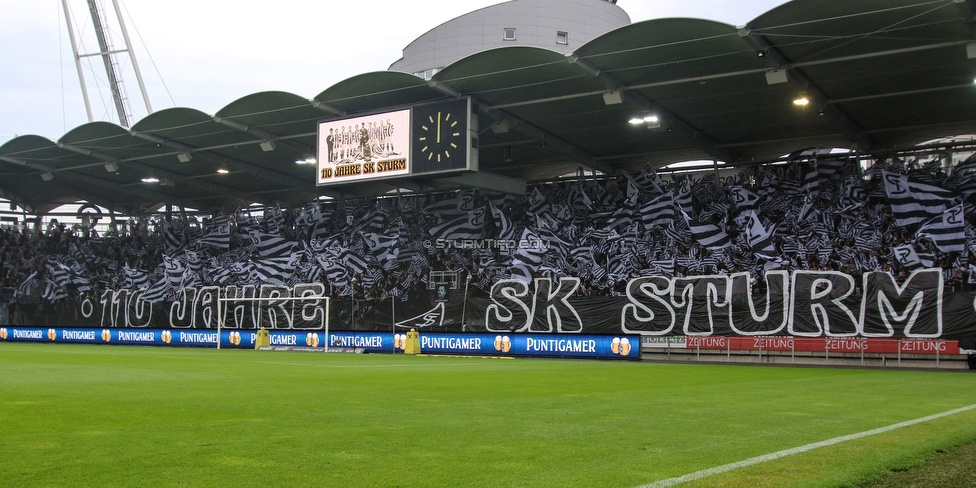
(697, 475)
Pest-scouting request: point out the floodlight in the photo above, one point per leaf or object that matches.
(268, 145)
(651, 119)
(47, 176)
(111, 167)
(184, 156)
(801, 99)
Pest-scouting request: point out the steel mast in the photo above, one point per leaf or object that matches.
(108, 55)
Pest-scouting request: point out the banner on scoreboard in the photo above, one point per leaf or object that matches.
(364, 148)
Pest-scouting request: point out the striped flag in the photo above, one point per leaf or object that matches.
(504, 227)
(351, 261)
(684, 199)
(271, 245)
(707, 234)
(173, 237)
(158, 292)
(811, 178)
(276, 270)
(135, 279)
(274, 220)
(658, 212)
(913, 202)
(648, 180)
(467, 226)
(384, 247)
(530, 251)
(218, 237)
(174, 272)
(29, 287)
(759, 239)
(52, 292)
(828, 167)
(947, 231)
(744, 198)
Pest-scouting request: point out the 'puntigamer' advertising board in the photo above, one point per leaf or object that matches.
(546, 345)
(432, 138)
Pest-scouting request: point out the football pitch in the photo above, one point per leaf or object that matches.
(77, 415)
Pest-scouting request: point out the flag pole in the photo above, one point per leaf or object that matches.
(464, 304)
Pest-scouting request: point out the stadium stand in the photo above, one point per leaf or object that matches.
(818, 211)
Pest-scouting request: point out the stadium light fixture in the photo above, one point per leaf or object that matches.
(500, 127)
(651, 119)
(184, 157)
(268, 145)
(612, 97)
(150, 179)
(801, 100)
(776, 76)
(47, 176)
(306, 160)
(222, 171)
(111, 167)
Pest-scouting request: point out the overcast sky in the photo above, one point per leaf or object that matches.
(204, 54)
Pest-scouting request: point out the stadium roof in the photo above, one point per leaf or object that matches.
(880, 75)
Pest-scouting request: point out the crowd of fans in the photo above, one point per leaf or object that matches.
(816, 212)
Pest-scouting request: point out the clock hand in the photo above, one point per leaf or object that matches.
(438, 127)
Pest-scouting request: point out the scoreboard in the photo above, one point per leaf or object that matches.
(436, 138)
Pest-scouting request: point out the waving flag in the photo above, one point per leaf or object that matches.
(947, 231)
(707, 234)
(913, 202)
(760, 240)
(658, 212)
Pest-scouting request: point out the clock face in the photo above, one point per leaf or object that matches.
(440, 137)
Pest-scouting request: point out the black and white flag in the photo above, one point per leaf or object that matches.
(947, 231)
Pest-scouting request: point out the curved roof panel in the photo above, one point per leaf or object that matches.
(377, 90)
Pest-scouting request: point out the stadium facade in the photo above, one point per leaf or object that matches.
(559, 25)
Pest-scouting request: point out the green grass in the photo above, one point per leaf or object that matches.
(73, 415)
